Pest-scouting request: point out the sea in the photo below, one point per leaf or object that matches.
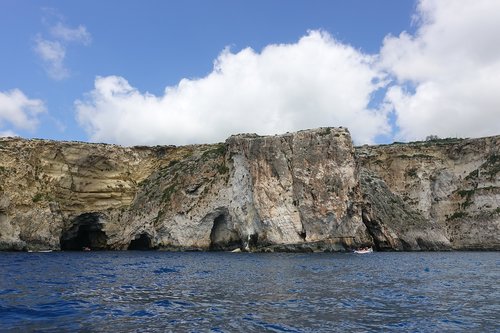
(155, 291)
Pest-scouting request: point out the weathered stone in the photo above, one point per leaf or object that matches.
(393, 224)
(253, 192)
(304, 191)
(454, 184)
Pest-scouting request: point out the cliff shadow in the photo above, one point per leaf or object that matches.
(85, 233)
(141, 242)
(222, 237)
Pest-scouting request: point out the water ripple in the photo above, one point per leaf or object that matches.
(221, 292)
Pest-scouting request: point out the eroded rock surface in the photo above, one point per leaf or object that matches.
(255, 193)
(304, 191)
(393, 224)
(453, 184)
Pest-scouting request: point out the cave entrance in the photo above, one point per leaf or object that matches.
(140, 243)
(85, 234)
(222, 238)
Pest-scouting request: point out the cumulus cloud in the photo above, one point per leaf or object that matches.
(19, 111)
(443, 79)
(448, 71)
(52, 51)
(314, 82)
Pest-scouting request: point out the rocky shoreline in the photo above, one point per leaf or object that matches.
(309, 191)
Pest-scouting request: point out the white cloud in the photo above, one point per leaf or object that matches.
(8, 133)
(448, 72)
(314, 82)
(19, 111)
(52, 53)
(79, 34)
(445, 81)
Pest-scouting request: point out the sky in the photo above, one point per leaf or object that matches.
(194, 71)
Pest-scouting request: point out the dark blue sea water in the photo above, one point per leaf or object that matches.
(244, 292)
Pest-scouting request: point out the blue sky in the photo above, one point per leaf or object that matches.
(98, 70)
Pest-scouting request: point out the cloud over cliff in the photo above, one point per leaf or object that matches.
(448, 72)
(18, 111)
(314, 82)
(443, 79)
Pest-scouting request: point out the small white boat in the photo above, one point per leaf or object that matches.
(364, 251)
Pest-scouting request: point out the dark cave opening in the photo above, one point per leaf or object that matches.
(222, 238)
(85, 234)
(141, 243)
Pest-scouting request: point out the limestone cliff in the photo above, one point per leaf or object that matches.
(257, 193)
(452, 184)
(306, 191)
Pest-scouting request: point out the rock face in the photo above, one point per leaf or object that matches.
(393, 224)
(453, 185)
(278, 192)
(306, 191)
(47, 188)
